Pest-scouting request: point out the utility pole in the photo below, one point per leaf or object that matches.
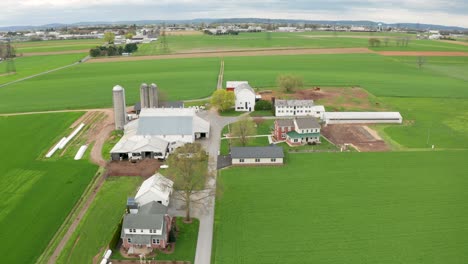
(10, 54)
(164, 45)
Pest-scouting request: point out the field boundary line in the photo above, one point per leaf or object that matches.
(424, 53)
(46, 72)
(237, 53)
(48, 251)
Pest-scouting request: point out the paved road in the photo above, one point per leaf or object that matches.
(204, 210)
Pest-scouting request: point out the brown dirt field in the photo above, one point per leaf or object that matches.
(424, 53)
(237, 53)
(338, 98)
(54, 52)
(357, 135)
(145, 168)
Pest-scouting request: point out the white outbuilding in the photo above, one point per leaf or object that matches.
(294, 108)
(157, 188)
(245, 98)
(362, 117)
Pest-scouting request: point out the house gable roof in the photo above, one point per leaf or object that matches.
(307, 122)
(285, 122)
(157, 185)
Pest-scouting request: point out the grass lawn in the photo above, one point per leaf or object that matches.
(324, 146)
(186, 243)
(101, 220)
(27, 66)
(37, 195)
(110, 143)
(396, 207)
(381, 76)
(89, 85)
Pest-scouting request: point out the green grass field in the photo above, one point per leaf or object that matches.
(97, 227)
(379, 75)
(90, 85)
(27, 66)
(194, 43)
(56, 45)
(36, 195)
(397, 207)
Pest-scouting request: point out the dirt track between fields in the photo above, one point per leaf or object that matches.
(425, 53)
(455, 42)
(236, 53)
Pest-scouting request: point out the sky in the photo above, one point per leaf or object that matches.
(39, 12)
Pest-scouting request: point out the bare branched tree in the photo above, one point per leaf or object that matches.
(421, 61)
(243, 129)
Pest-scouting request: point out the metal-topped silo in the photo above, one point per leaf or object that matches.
(153, 96)
(144, 96)
(120, 113)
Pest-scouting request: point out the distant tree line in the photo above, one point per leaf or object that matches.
(399, 42)
(113, 50)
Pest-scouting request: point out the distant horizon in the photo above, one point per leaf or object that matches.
(451, 13)
(116, 22)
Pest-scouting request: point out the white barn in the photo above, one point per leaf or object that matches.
(232, 85)
(245, 98)
(362, 117)
(293, 108)
(157, 188)
(158, 131)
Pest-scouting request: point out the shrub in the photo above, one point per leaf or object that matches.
(263, 105)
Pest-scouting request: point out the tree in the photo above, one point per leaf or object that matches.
(96, 52)
(289, 83)
(109, 37)
(374, 42)
(421, 61)
(131, 47)
(188, 169)
(386, 41)
(128, 35)
(243, 129)
(223, 99)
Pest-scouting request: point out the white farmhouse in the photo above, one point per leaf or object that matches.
(157, 188)
(245, 98)
(293, 108)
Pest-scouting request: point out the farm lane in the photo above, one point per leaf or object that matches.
(204, 210)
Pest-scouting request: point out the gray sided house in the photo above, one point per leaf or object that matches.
(269, 155)
(146, 226)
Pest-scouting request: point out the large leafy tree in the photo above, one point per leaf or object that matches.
(188, 169)
(243, 129)
(288, 83)
(223, 100)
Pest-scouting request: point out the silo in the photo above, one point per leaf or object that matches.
(144, 96)
(153, 96)
(120, 114)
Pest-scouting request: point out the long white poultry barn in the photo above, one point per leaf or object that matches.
(362, 117)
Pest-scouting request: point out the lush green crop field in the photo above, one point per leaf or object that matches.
(26, 66)
(36, 195)
(379, 75)
(56, 45)
(90, 85)
(440, 122)
(193, 43)
(98, 225)
(396, 207)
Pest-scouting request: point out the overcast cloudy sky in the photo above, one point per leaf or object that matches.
(38, 12)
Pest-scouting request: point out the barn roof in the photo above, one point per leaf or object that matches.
(280, 102)
(307, 122)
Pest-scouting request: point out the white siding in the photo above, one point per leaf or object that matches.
(245, 100)
(262, 161)
(314, 111)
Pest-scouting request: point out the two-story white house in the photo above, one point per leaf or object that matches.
(298, 108)
(245, 98)
(305, 130)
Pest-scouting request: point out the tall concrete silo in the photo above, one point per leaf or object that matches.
(144, 96)
(120, 113)
(153, 96)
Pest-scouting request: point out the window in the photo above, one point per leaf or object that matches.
(141, 231)
(257, 160)
(157, 241)
(295, 140)
(134, 230)
(129, 240)
(241, 160)
(154, 240)
(151, 230)
(273, 160)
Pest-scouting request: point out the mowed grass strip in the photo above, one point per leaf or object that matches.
(97, 227)
(27, 66)
(90, 85)
(36, 195)
(396, 207)
(379, 75)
